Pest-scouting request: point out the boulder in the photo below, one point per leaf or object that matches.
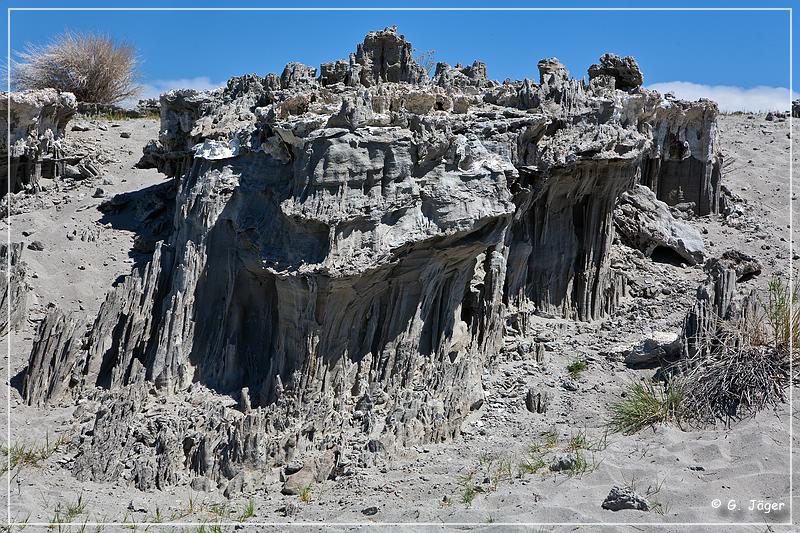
(654, 350)
(564, 461)
(645, 223)
(300, 481)
(745, 266)
(619, 499)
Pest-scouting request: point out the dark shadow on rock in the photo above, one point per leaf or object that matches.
(148, 213)
(17, 380)
(668, 256)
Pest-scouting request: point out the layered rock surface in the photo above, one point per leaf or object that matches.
(685, 164)
(344, 252)
(13, 287)
(30, 141)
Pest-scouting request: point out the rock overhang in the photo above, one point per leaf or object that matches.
(347, 247)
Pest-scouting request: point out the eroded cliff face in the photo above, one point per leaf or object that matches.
(685, 163)
(29, 142)
(346, 250)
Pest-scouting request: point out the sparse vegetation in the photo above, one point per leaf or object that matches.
(210, 528)
(578, 444)
(29, 454)
(249, 511)
(576, 367)
(646, 404)
(492, 469)
(93, 67)
(426, 59)
(744, 368)
(305, 493)
(468, 491)
(580, 466)
(65, 514)
(551, 438)
(532, 465)
(656, 506)
(783, 315)
(218, 510)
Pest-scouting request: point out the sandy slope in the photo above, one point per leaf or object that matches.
(685, 469)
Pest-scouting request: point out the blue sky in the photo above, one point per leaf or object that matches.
(741, 57)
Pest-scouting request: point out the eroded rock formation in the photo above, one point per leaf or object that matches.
(343, 254)
(13, 288)
(623, 70)
(685, 162)
(37, 122)
(719, 304)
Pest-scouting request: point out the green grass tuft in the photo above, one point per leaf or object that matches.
(576, 367)
(646, 404)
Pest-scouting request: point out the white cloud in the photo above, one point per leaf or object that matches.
(729, 97)
(154, 88)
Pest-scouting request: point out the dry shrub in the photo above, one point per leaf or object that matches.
(736, 379)
(93, 67)
(748, 361)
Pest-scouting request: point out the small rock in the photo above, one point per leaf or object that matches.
(536, 402)
(370, 511)
(294, 466)
(646, 223)
(660, 346)
(99, 193)
(746, 266)
(619, 499)
(569, 385)
(125, 135)
(563, 462)
(375, 446)
(36, 246)
(81, 126)
(290, 509)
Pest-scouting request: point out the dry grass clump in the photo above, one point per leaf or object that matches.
(737, 379)
(93, 67)
(747, 368)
